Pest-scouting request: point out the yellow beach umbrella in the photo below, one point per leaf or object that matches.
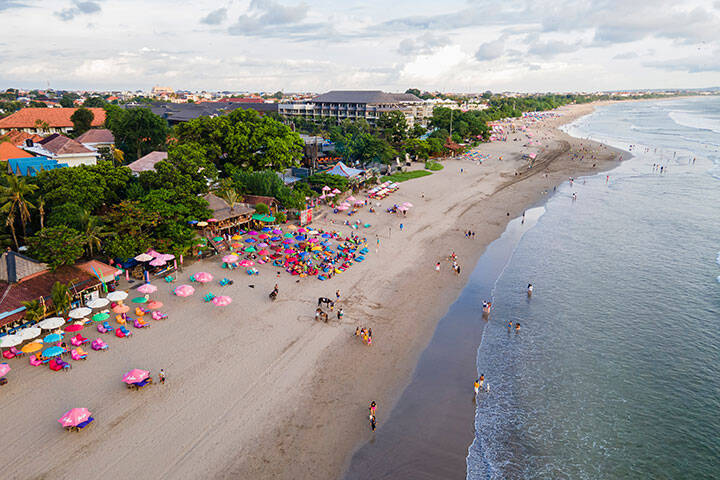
(237, 237)
(32, 347)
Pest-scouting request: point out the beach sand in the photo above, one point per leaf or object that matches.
(259, 389)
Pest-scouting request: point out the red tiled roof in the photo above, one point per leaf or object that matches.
(96, 135)
(18, 138)
(147, 163)
(54, 117)
(62, 145)
(8, 151)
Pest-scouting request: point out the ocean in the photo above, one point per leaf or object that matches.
(615, 372)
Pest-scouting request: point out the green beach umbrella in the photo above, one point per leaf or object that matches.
(288, 235)
(250, 249)
(218, 239)
(139, 300)
(100, 317)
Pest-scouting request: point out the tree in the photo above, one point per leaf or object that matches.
(93, 232)
(34, 311)
(262, 209)
(57, 246)
(137, 131)
(319, 180)
(413, 91)
(41, 211)
(392, 127)
(186, 170)
(36, 104)
(97, 102)
(60, 295)
(82, 121)
(245, 139)
(15, 203)
(228, 193)
(67, 101)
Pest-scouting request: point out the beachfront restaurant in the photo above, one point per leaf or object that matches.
(24, 279)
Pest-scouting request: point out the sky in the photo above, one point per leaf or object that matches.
(392, 45)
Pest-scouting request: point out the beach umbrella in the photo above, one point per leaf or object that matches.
(74, 417)
(117, 296)
(336, 191)
(52, 338)
(252, 232)
(53, 352)
(342, 208)
(203, 277)
(288, 241)
(80, 312)
(263, 236)
(408, 205)
(266, 229)
(275, 239)
(51, 323)
(135, 375)
(326, 235)
(262, 245)
(277, 231)
(230, 258)
(301, 238)
(288, 251)
(325, 188)
(98, 303)
(237, 237)
(247, 263)
(212, 220)
(4, 369)
(32, 347)
(288, 235)
(218, 239)
(100, 317)
(322, 197)
(222, 301)
(251, 249)
(302, 230)
(158, 262)
(350, 199)
(250, 240)
(192, 222)
(10, 341)
(154, 305)
(263, 252)
(202, 224)
(121, 309)
(359, 203)
(147, 288)
(292, 227)
(184, 291)
(144, 257)
(139, 300)
(73, 328)
(29, 333)
(167, 256)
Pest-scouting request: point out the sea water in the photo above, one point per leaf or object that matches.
(615, 372)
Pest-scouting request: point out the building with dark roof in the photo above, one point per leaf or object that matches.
(356, 104)
(63, 150)
(176, 113)
(97, 138)
(147, 162)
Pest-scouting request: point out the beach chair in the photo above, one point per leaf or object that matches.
(65, 365)
(192, 278)
(140, 323)
(76, 355)
(98, 344)
(102, 328)
(35, 361)
(78, 340)
(125, 331)
(119, 333)
(145, 382)
(84, 424)
(17, 352)
(54, 365)
(120, 319)
(81, 352)
(8, 354)
(169, 279)
(156, 315)
(208, 297)
(139, 311)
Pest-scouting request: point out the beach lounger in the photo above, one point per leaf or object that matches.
(140, 323)
(63, 364)
(208, 297)
(119, 333)
(120, 319)
(35, 361)
(103, 328)
(17, 352)
(139, 311)
(139, 385)
(156, 315)
(78, 340)
(53, 364)
(169, 279)
(8, 354)
(84, 424)
(75, 355)
(98, 344)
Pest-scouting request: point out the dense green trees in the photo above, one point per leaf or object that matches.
(97, 102)
(57, 246)
(82, 120)
(67, 101)
(137, 131)
(266, 183)
(15, 203)
(244, 139)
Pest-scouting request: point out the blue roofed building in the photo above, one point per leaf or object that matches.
(31, 166)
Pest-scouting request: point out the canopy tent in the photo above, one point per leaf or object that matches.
(263, 218)
(344, 171)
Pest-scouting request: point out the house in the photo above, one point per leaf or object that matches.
(63, 150)
(8, 151)
(228, 217)
(147, 163)
(176, 113)
(46, 120)
(17, 138)
(97, 138)
(23, 279)
(30, 167)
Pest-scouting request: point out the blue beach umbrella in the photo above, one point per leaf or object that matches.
(276, 239)
(326, 235)
(301, 238)
(250, 240)
(53, 337)
(53, 352)
(266, 229)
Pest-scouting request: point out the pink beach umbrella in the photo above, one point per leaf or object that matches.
(277, 231)
(330, 195)
(325, 188)
(147, 288)
(342, 208)
(408, 205)
(350, 199)
(263, 236)
(263, 252)
(154, 305)
(288, 241)
(158, 262)
(121, 309)
(247, 263)
(288, 251)
(302, 230)
(135, 375)
(336, 191)
(73, 328)
(252, 232)
(4, 369)
(184, 291)
(203, 277)
(230, 258)
(222, 301)
(74, 417)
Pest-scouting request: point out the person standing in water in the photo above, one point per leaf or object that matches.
(476, 386)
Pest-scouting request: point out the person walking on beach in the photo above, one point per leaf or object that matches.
(340, 314)
(476, 385)
(373, 423)
(509, 325)
(162, 375)
(401, 227)
(373, 405)
(481, 379)
(437, 267)
(337, 295)
(517, 327)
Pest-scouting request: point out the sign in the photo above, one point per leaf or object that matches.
(305, 216)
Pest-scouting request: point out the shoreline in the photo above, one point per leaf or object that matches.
(281, 395)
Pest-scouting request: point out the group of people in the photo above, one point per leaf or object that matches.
(480, 384)
(365, 334)
(321, 315)
(470, 234)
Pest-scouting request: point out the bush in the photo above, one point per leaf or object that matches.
(262, 208)
(281, 217)
(434, 166)
(403, 176)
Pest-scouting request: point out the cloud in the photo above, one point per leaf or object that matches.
(423, 45)
(626, 56)
(688, 64)
(490, 50)
(8, 4)
(78, 8)
(552, 48)
(266, 16)
(216, 17)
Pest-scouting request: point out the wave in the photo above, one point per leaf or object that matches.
(700, 122)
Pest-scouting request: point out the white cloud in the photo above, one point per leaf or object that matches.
(216, 17)
(490, 50)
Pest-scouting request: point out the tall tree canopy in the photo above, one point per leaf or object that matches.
(137, 131)
(82, 121)
(244, 138)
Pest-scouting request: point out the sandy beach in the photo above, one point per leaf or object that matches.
(259, 389)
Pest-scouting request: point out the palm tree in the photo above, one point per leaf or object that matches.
(93, 232)
(60, 295)
(228, 193)
(41, 211)
(15, 202)
(34, 311)
(118, 156)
